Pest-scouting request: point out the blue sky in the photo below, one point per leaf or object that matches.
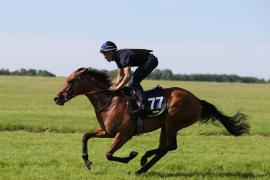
(191, 36)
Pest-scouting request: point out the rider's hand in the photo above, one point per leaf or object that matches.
(113, 84)
(113, 88)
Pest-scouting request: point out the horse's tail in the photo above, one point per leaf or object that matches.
(236, 125)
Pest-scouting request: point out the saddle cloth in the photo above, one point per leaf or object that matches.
(155, 98)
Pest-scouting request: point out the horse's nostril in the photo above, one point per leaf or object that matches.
(55, 99)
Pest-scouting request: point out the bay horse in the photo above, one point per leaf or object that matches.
(114, 115)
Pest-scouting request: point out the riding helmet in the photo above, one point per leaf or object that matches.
(108, 46)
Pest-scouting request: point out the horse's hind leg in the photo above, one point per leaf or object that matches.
(162, 143)
(167, 143)
(160, 152)
(147, 155)
(118, 142)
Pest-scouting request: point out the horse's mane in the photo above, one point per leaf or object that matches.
(101, 76)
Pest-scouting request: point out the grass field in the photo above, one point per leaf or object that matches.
(39, 140)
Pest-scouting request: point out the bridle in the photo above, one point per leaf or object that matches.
(67, 93)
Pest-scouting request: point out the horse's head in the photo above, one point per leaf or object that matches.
(82, 81)
(72, 87)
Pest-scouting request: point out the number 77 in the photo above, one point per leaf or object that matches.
(153, 102)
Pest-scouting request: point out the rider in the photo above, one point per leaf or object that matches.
(125, 59)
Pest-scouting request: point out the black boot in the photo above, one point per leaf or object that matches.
(146, 109)
(142, 111)
(142, 103)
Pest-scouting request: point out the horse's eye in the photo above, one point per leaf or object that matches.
(70, 81)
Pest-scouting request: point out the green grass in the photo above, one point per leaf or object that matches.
(39, 140)
(57, 156)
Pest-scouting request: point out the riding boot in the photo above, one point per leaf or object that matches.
(143, 110)
(140, 111)
(146, 107)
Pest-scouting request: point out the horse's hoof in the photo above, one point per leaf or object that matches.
(143, 161)
(133, 154)
(88, 164)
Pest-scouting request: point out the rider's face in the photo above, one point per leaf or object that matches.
(108, 56)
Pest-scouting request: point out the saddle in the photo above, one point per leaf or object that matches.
(155, 98)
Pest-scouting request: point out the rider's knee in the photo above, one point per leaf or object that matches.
(154, 60)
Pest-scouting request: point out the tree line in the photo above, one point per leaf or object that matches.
(26, 72)
(157, 74)
(167, 74)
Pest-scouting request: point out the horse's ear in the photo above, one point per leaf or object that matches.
(82, 70)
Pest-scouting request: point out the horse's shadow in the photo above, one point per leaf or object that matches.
(206, 174)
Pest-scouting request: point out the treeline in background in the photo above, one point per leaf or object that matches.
(167, 74)
(26, 72)
(157, 74)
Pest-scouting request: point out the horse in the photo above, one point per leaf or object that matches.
(114, 114)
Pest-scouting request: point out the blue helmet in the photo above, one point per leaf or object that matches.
(108, 46)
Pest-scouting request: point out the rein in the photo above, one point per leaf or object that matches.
(96, 92)
(106, 104)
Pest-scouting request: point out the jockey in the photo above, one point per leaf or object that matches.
(125, 59)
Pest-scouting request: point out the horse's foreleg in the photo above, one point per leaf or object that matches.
(118, 142)
(100, 133)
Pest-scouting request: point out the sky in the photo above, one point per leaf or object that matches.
(187, 36)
